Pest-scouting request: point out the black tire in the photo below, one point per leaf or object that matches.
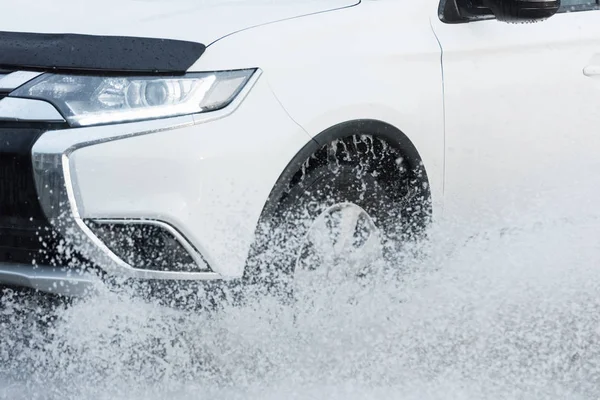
(358, 169)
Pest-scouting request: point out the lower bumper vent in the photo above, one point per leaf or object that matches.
(149, 245)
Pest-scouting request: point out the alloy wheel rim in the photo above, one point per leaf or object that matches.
(342, 244)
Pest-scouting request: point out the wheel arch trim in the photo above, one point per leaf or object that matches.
(373, 127)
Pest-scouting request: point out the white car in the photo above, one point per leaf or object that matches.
(166, 140)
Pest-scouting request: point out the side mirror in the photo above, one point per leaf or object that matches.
(522, 10)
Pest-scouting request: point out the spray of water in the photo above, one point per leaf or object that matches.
(509, 312)
(502, 308)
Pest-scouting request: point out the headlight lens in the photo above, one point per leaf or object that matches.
(92, 100)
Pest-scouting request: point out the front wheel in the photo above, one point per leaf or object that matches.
(344, 216)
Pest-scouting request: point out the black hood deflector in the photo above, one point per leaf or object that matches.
(105, 54)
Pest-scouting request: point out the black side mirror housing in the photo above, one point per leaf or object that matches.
(522, 10)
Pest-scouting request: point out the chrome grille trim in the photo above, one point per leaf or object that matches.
(48, 279)
(16, 109)
(11, 81)
(3, 93)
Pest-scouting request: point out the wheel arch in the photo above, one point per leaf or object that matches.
(376, 128)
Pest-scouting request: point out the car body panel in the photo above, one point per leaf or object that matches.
(321, 81)
(203, 21)
(503, 116)
(521, 116)
(209, 180)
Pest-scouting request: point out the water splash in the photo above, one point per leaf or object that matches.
(509, 312)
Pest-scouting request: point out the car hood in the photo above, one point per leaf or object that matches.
(203, 21)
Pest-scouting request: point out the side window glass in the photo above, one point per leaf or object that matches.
(578, 5)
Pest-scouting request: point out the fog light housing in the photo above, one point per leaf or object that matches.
(149, 245)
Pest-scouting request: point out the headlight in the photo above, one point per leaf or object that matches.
(91, 100)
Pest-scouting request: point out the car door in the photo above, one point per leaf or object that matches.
(522, 114)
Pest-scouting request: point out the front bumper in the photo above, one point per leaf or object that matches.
(48, 279)
(205, 177)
